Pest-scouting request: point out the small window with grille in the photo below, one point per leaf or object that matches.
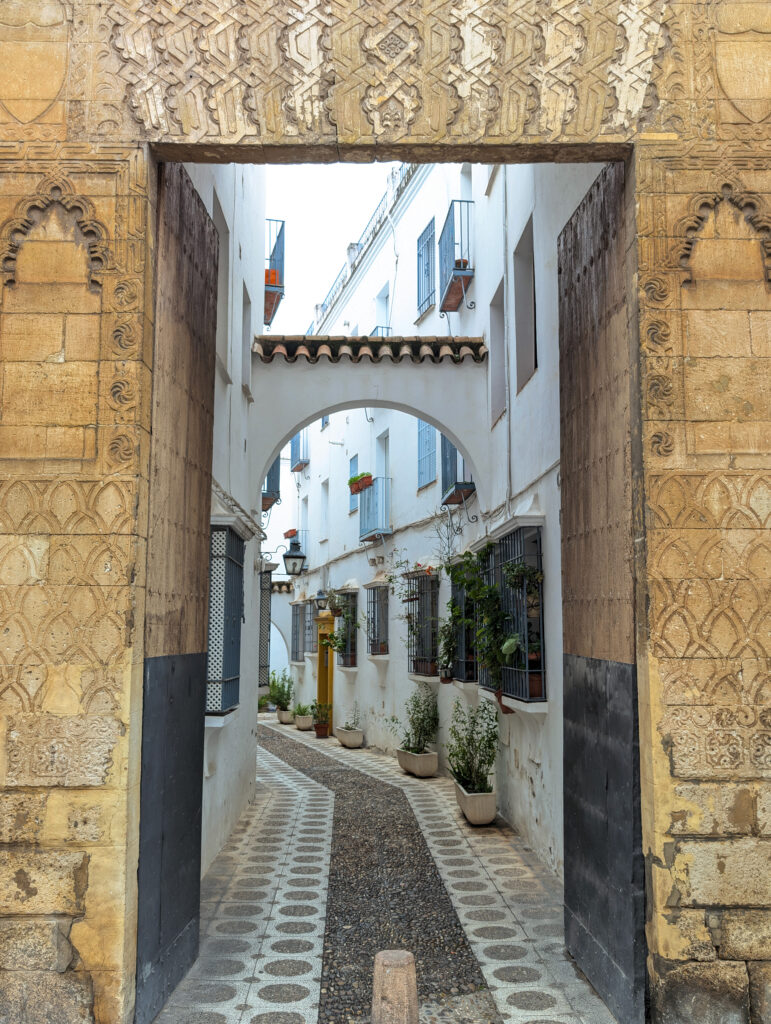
(519, 569)
(426, 268)
(350, 627)
(464, 666)
(426, 453)
(266, 595)
(423, 624)
(298, 632)
(226, 609)
(377, 620)
(311, 632)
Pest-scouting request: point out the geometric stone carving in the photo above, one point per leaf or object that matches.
(52, 750)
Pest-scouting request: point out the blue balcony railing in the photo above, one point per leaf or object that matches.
(456, 257)
(457, 485)
(298, 455)
(274, 268)
(375, 510)
(380, 332)
(271, 488)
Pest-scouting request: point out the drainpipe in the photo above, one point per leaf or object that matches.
(506, 333)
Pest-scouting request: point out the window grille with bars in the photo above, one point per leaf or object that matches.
(377, 620)
(298, 632)
(464, 667)
(423, 624)
(226, 609)
(350, 625)
(426, 268)
(311, 633)
(525, 679)
(266, 595)
(426, 453)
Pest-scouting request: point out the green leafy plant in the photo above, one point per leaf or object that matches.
(355, 479)
(301, 710)
(321, 713)
(262, 703)
(281, 687)
(517, 573)
(422, 720)
(336, 640)
(353, 721)
(493, 624)
(473, 745)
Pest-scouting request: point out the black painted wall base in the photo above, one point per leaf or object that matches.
(169, 874)
(604, 866)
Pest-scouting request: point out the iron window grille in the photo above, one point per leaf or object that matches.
(350, 627)
(464, 667)
(377, 620)
(311, 633)
(266, 596)
(426, 268)
(226, 609)
(298, 632)
(423, 624)
(426, 453)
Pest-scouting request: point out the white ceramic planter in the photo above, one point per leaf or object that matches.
(350, 737)
(478, 808)
(303, 722)
(422, 765)
(284, 717)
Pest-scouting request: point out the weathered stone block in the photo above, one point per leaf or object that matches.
(67, 750)
(760, 993)
(29, 945)
(764, 809)
(21, 816)
(42, 997)
(685, 936)
(746, 935)
(716, 993)
(731, 873)
(713, 809)
(41, 882)
(59, 394)
(27, 337)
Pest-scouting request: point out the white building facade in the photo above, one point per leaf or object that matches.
(482, 242)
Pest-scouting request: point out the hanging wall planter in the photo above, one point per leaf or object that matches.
(365, 481)
(288, 534)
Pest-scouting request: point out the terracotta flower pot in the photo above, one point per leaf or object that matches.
(365, 482)
(288, 534)
(322, 730)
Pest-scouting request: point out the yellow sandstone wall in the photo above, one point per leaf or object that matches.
(85, 90)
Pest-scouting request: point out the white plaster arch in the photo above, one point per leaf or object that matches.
(450, 395)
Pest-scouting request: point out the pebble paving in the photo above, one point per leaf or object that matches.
(342, 854)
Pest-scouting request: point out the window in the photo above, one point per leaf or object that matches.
(353, 469)
(465, 665)
(299, 455)
(324, 422)
(298, 632)
(311, 633)
(497, 356)
(524, 307)
(426, 268)
(324, 511)
(226, 609)
(377, 620)
(223, 289)
(423, 624)
(426, 453)
(246, 344)
(350, 627)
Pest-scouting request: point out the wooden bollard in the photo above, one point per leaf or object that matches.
(394, 988)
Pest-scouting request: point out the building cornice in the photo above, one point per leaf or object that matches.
(415, 349)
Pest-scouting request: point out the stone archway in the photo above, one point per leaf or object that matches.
(96, 94)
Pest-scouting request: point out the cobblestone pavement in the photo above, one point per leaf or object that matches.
(265, 904)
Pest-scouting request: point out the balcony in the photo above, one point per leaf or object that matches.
(298, 453)
(456, 489)
(375, 510)
(271, 488)
(456, 263)
(380, 332)
(274, 269)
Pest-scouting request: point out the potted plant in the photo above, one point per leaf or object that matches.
(351, 734)
(471, 752)
(334, 603)
(365, 481)
(448, 641)
(422, 724)
(288, 534)
(303, 719)
(321, 714)
(281, 694)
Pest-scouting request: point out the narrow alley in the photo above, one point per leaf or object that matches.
(341, 855)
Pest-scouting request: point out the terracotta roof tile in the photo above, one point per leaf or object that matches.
(415, 349)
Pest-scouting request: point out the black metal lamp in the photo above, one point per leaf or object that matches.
(294, 559)
(322, 600)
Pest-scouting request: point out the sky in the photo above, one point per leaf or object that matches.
(325, 207)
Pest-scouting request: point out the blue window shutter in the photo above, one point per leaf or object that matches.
(426, 453)
(353, 469)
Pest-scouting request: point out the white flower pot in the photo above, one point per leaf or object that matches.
(284, 717)
(478, 808)
(422, 765)
(350, 737)
(303, 722)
